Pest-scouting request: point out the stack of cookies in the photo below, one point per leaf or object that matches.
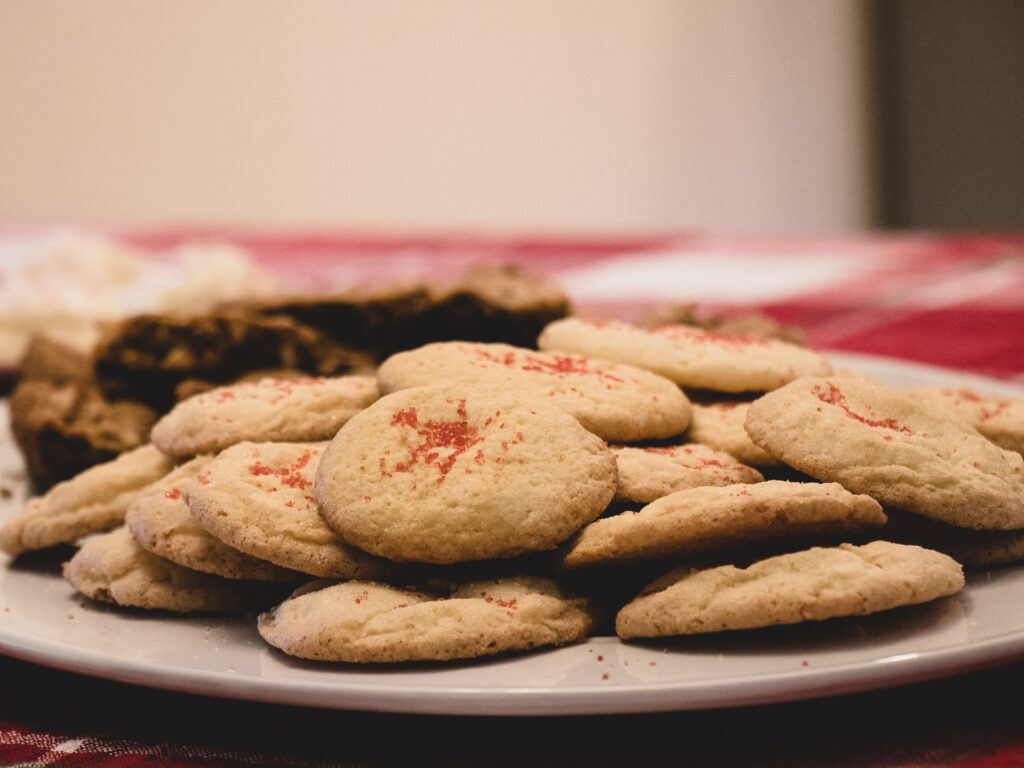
(475, 498)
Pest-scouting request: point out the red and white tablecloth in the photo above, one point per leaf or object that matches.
(948, 301)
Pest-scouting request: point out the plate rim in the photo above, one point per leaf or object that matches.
(853, 677)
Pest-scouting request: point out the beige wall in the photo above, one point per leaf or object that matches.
(570, 114)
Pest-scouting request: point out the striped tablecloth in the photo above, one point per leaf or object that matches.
(950, 301)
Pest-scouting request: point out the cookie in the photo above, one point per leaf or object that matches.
(1000, 419)
(894, 446)
(709, 519)
(975, 549)
(278, 410)
(720, 426)
(487, 302)
(160, 522)
(366, 622)
(145, 357)
(95, 500)
(112, 568)
(753, 324)
(646, 474)
(192, 387)
(689, 356)
(817, 584)
(65, 427)
(616, 402)
(455, 473)
(258, 498)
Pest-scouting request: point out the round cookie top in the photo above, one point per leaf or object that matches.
(92, 501)
(112, 568)
(616, 402)
(258, 499)
(646, 474)
(709, 519)
(813, 585)
(280, 410)
(720, 426)
(689, 356)
(894, 446)
(456, 473)
(160, 522)
(367, 622)
(1000, 419)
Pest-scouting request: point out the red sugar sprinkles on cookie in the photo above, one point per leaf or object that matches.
(441, 443)
(462, 473)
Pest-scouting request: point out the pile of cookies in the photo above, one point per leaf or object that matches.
(473, 498)
(74, 408)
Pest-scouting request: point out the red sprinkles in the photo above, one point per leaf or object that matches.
(835, 397)
(288, 475)
(557, 365)
(683, 333)
(454, 437)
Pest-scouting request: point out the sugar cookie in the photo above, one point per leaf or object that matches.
(813, 585)
(646, 474)
(368, 622)
(616, 402)
(1000, 419)
(709, 519)
(894, 446)
(160, 522)
(93, 501)
(720, 426)
(258, 498)
(112, 568)
(454, 473)
(279, 410)
(689, 356)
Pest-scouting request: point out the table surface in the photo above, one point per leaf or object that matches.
(951, 301)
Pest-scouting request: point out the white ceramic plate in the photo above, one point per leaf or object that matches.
(42, 620)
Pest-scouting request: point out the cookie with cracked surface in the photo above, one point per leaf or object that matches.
(92, 501)
(365, 622)
(279, 410)
(720, 426)
(646, 474)
(112, 568)
(616, 402)
(892, 445)
(258, 499)
(710, 519)
(160, 522)
(999, 418)
(455, 473)
(813, 585)
(689, 356)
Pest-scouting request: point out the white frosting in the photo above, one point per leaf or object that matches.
(66, 283)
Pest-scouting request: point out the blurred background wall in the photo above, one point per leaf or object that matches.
(569, 115)
(578, 114)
